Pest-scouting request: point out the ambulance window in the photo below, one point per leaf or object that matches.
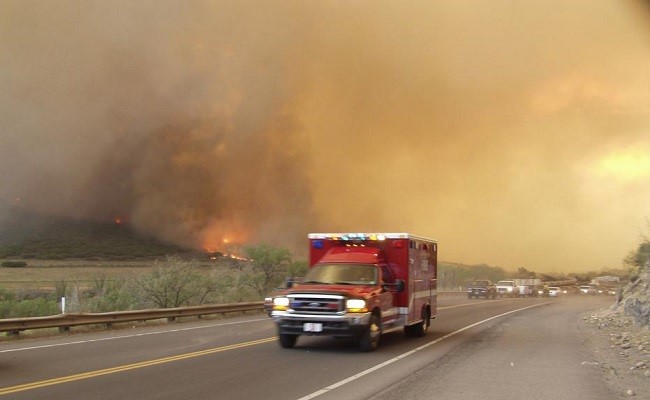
(387, 274)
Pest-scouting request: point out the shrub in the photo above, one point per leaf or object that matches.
(28, 308)
(174, 283)
(14, 264)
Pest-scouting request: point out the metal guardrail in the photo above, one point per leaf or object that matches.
(65, 321)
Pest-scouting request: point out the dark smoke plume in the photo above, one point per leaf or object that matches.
(516, 133)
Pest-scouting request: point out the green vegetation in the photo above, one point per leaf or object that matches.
(268, 267)
(174, 283)
(638, 261)
(453, 276)
(13, 306)
(171, 282)
(14, 264)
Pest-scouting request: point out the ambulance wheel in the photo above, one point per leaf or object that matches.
(421, 328)
(287, 341)
(369, 341)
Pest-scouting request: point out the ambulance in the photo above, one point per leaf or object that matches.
(362, 286)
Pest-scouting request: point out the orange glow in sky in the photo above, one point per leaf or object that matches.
(627, 165)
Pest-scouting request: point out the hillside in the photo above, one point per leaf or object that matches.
(28, 235)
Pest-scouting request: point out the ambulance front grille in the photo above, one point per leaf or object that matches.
(316, 304)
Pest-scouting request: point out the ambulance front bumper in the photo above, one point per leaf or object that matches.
(345, 325)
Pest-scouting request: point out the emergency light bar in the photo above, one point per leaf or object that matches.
(358, 236)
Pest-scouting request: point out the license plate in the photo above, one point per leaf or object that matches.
(312, 327)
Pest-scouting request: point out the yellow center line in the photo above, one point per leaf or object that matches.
(122, 368)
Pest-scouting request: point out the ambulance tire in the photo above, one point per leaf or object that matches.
(420, 329)
(369, 340)
(287, 341)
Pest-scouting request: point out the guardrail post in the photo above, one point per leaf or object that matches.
(64, 329)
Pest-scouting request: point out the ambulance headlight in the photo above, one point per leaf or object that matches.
(356, 305)
(281, 303)
(510, 288)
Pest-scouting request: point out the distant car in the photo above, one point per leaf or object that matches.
(524, 291)
(481, 288)
(554, 291)
(586, 289)
(542, 290)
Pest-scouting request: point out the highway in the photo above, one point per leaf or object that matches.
(239, 358)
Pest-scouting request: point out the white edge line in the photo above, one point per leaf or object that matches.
(401, 356)
(131, 336)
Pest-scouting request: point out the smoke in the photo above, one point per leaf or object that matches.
(515, 134)
(175, 117)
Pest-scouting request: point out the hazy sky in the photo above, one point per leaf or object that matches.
(517, 133)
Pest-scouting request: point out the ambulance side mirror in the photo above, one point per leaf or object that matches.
(291, 282)
(398, 286)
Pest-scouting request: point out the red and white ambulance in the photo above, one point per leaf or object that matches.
(361, 285)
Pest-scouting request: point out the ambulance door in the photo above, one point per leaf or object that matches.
(388, 298)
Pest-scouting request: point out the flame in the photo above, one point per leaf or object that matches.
(224, 239)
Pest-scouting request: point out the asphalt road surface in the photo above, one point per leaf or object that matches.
(487, 349)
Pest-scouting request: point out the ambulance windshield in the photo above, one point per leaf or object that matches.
(342, 274)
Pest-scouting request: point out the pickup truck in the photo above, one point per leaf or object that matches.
(481, 288)
(507, 288)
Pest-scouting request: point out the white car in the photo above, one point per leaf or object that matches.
(554, 291)
(586, 289)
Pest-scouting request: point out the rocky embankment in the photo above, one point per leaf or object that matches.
(621, 339)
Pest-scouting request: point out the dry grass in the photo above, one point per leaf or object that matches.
(42, 275)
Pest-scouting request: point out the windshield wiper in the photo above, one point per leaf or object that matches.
(317, 282)
(344, 283)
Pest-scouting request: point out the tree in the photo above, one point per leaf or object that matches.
(638, 260)
(173, 284)
(297, 268)
(269, 266)
(523, 273)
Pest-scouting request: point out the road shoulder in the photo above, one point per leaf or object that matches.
(622, 350)
(539, 353)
